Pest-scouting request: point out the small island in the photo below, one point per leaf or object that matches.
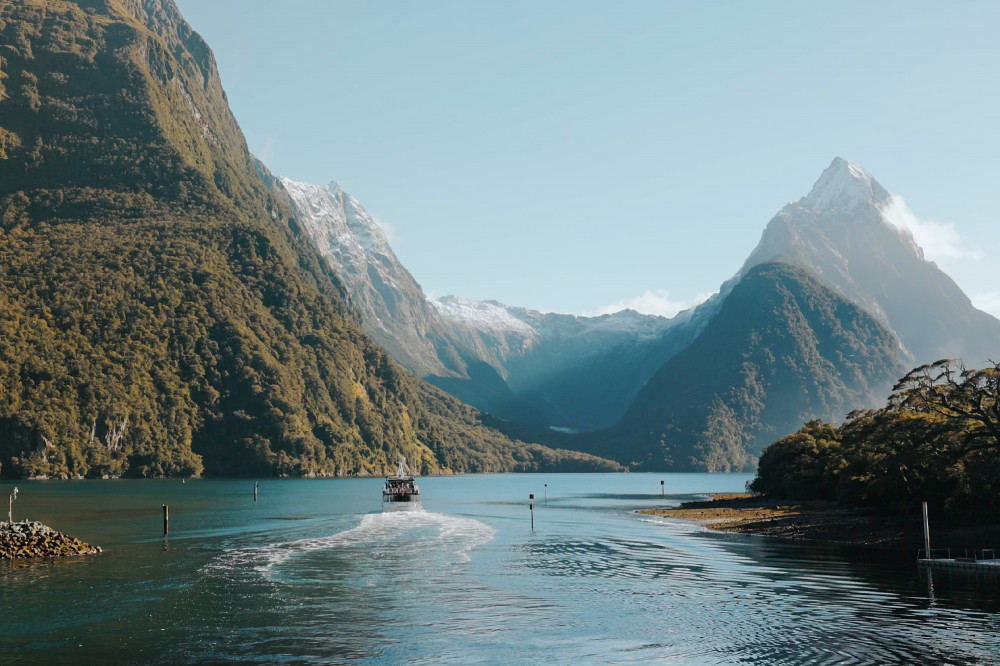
(32, 539)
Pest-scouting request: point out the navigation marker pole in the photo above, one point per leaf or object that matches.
(255, 491)
(661, 488)
(532, 507)
(166, 519)
(546, 494)
(927, 535)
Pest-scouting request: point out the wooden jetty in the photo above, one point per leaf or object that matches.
(984, 561)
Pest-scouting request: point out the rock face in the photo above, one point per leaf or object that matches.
(31, 539)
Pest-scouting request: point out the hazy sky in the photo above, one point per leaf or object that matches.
(573, 156)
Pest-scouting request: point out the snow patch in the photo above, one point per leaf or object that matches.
(487, 316)
(843, 185)
(343, 229)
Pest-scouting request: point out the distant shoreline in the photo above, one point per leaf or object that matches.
(825, 522)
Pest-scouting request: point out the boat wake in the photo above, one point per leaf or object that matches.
(412, 535)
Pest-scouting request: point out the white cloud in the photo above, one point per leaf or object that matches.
(267, 152)
(653, 302)
(390, 232)
(939, 240)
(988, 302)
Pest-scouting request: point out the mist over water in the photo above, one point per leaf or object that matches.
(316, 572)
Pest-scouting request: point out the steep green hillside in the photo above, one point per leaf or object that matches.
(159, 312)
(783, 349)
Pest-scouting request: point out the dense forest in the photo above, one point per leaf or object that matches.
(160, 313)
(937, 440)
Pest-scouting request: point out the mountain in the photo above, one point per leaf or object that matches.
(581, 373)
(395, 312)
(542, 369)
(549, 372)
(782, 349)
(162, 312)
(840, 235)
(841, 232)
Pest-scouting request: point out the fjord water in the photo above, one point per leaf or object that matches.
(316, 572)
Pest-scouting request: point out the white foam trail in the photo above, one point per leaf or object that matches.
(399, 532)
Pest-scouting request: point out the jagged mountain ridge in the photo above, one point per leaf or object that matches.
(160, 311)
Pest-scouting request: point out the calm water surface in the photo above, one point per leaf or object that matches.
(316, 572)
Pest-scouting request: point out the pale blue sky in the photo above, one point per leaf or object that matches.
(568, 156)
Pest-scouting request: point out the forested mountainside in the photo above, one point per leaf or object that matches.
(160, 311)
(782, 349)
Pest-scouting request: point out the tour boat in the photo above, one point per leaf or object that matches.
(400, 487)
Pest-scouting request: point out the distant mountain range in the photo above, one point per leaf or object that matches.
(866, 306)
(550, 370)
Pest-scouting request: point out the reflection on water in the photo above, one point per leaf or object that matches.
(317, 572)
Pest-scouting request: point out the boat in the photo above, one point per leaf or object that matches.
(400, 487)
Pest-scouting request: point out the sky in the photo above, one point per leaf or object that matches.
(586, 156)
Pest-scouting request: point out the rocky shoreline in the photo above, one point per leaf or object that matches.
(826, 522)
(32, 539)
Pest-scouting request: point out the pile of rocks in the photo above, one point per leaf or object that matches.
(33, 539)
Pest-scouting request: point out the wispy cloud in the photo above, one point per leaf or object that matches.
(654, 302)
(939, 240)
(267, 152)
(988, 301)
(390, 232)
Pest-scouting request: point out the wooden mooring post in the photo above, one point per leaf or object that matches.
(166, 519)
(662, 491)
(532, 507)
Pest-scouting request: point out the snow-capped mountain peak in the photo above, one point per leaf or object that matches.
(844, 186)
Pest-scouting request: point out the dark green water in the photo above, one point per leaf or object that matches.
(315, 572)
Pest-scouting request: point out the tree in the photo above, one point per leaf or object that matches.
(803, 465)
(968, 399)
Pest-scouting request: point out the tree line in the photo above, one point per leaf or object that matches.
(937, 439)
